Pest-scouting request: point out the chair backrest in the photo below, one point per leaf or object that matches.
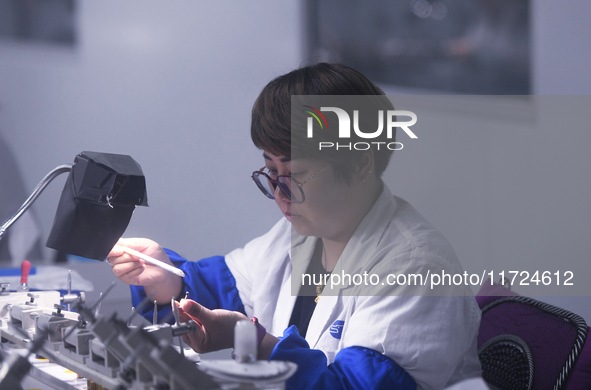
(528, 344)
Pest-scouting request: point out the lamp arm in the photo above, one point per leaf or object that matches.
(36, 192)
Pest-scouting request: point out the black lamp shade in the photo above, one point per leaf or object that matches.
(96, 204)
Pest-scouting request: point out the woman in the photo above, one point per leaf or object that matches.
(345, 222)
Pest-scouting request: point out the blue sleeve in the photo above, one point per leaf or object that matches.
(207, 281)
(353, 367)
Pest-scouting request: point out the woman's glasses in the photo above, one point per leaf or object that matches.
(291, 188)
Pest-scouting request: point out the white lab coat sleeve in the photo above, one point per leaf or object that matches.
(428, 336)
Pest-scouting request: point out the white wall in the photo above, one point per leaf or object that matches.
(172, 86)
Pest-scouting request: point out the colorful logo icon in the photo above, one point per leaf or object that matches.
(318, 115)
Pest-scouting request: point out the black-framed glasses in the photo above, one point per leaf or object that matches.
(291, 188)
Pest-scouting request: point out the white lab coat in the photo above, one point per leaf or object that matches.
(432, 337)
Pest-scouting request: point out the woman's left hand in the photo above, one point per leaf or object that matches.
(215, 328)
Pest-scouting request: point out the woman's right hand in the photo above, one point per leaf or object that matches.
(159, 284)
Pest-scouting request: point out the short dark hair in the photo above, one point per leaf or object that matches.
(271, 113)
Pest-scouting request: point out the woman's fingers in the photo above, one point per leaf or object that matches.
(128, 272)
(197, 339)
(216, 326)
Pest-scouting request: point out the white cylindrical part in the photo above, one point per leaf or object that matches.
(245, 341)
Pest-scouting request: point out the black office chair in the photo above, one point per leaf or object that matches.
(527, 344)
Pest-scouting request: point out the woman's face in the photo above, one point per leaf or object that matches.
(325, 210)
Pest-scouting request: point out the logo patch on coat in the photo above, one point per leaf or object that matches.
(336, 329)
